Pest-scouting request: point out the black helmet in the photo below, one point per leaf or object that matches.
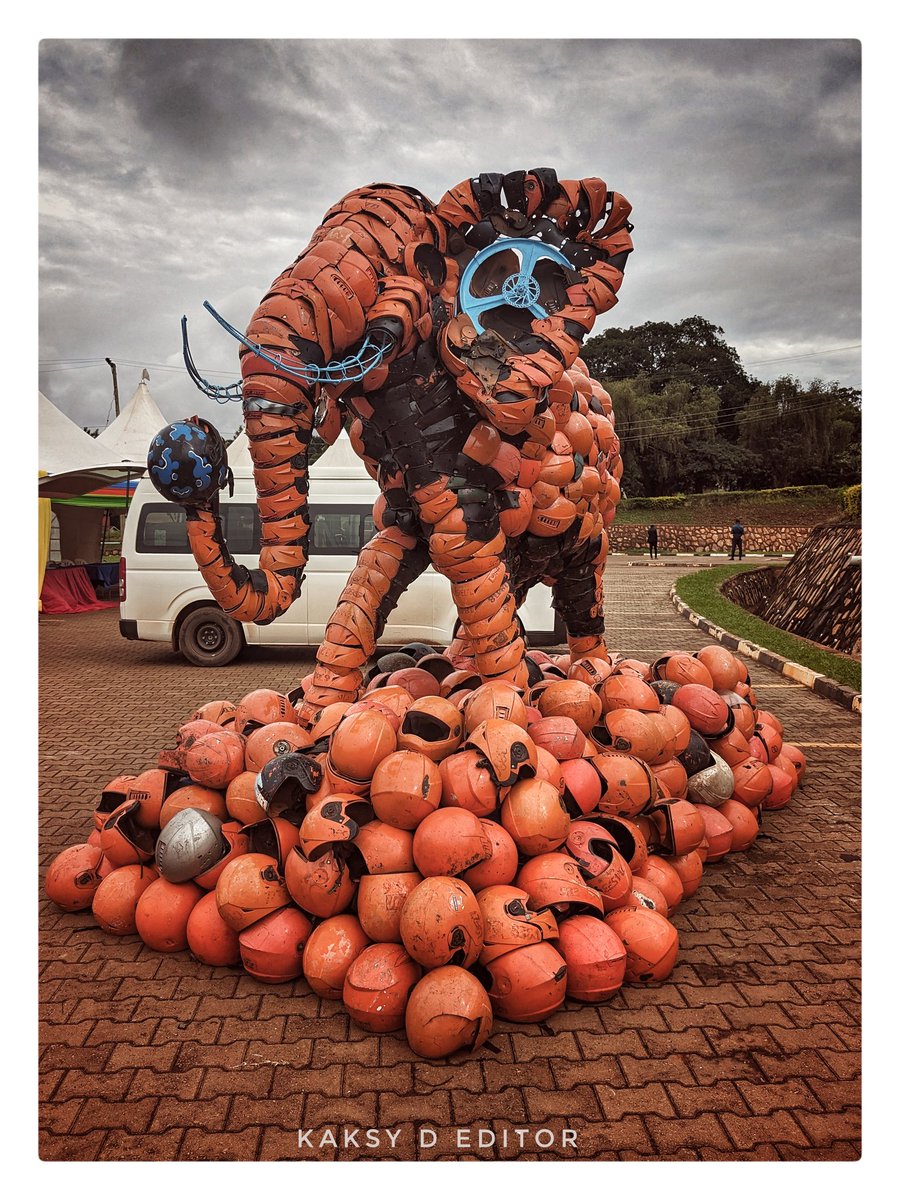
(187, 462)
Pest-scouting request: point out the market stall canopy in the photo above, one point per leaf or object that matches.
(75, 462)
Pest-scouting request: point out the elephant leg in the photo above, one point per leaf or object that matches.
(468, 547)
(386, 566)
(578, 598)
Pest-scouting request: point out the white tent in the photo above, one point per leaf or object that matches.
(128, 438)
(73, 461)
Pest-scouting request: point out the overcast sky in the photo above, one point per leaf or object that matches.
(175, 172)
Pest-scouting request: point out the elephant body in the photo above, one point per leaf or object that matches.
(494, 452)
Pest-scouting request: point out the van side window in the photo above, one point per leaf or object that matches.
(163, 529)
(335, 530)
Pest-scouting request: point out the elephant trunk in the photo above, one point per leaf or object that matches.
(278, 417)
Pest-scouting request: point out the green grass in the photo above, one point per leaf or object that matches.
(700, 591)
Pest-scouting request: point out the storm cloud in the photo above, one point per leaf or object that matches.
(177, 171)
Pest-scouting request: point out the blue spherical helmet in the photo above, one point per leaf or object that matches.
(187, 462)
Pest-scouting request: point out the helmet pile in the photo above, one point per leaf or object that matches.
(446, 850)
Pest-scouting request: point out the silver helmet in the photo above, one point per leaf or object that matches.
(713, 785)
(190, 844)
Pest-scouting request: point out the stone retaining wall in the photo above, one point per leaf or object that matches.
(708, 539)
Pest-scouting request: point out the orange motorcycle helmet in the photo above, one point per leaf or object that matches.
(240, 799)
(719, 832)
(360, 743)
(249, 888)
(680, 725)
(221, 712)
(772, 736)
(591, 670)
(465, 784)
(333, 822)
(214, 759)
(273, 836)
(680, 828)
(173, 759)
(330, 951)
(271, 741)
(327, 721)
(796, 757)
(113, 795)
(123, 840)
(396, 700)
(210, 940)
(690, 871)
(554, 881)
(600, 862)
(115, 900)
(678, 667)
(667, 738)
(527, 984)
(672, 775)
(534, 816)
(648, 895)
(378, 985)
(722, 665)
(162, 913)
(764, 717)
(733, 748)
(505, 749)
(632, 733)
(414, 680)
(384, 849)
(594, 958)
(406, 787)
(322, 888)
(448, 1010)
(150, 789)
(744, 823)
(262, 707)
(627, 690)
(73, 877)
(752, 782)
(583, 786)
(630, 787)
(559, 736)
(650, 941)
(369, 704)
(500, 866)
(460, 681)
(782, 789)
(510, 921)
(661, 872)
(707, 712)
(379, 903)
(193, 795)
(494, 701)
(272, 949)
(441, 923)
(573, 699)
(744, 715)
(448, 842)
(432, 726)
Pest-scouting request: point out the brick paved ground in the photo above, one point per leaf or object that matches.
(750, 1050)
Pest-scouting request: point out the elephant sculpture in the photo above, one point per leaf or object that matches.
(447, 338)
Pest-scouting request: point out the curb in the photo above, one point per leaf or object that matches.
(820, 684)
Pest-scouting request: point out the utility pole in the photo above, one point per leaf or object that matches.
(112, 367)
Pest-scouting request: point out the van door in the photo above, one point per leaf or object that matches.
(337, 534)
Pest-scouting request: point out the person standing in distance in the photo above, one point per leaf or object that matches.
(653, 541)
(737, 538)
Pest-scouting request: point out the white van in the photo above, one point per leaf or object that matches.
(163, 597)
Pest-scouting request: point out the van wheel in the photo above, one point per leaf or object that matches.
(209, 638)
